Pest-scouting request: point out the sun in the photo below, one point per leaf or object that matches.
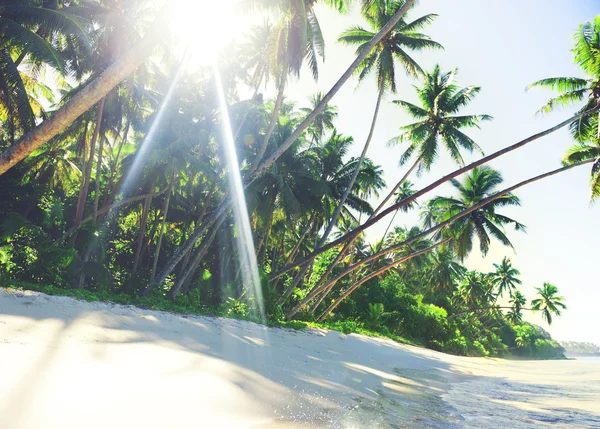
(204, 28)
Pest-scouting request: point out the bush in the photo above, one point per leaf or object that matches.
(234, 308)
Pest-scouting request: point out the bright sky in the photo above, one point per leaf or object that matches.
(501, 46)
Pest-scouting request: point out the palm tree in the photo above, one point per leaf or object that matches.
(505, 277)
(475, 290)
(582, 152)
(517, 302)
(483, 222)
(548, 302)
(573, 90)
(443, 271)
(439, 121)
(324, 120)
(297, 38)
(380, 59)
(403, 191)
(32, 30)
(394, 46)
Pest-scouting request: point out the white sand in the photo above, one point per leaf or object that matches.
(70, 364)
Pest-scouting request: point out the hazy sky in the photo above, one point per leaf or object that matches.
(502, 47)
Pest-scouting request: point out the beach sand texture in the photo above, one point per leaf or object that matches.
(71, 364)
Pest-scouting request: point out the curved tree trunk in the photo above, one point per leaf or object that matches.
(247, 112)
(267, 227)
(200, 253)
(376, 273)
(368, 47)
(425, 190)
(363, 154)
(91, 94)
(267, 163)
(161, 233)
(453, 219)
(108, 208)
(319, 289)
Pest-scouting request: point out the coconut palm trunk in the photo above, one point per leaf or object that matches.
(113, 169)
(108, 207)
(451, 220)
(267, 227)
(372, 221)
(91, 94)
(267, 163)
(274, 116)
(98, 174)
(161, 232)
(342, 201)
(143, 222)
(83, 192)
(319, 289)
(374, 274)
(200, 253)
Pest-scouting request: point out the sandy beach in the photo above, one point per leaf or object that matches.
(71, 364)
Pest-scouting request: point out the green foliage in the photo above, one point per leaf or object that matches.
(77, 219)
(234, 308)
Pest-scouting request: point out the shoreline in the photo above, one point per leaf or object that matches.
(142, 367)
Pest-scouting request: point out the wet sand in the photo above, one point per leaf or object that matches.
(71, 364)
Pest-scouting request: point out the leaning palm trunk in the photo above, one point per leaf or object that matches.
(376, 273)
(161, 232)
(247, 112)
(453, 219)
(91, 94)
(274, 116)
(398, 184)
(372, 221)
(336, 213)
(338, 209)
(267, 226)
(319, 288)
(267, 163)
(83, 192)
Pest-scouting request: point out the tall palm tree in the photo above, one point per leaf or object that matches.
(297, 39)
(439, 122)
(380, 59)
(483, 222)
(505, 277)
(394, 46)
(548, 302)
(586, 90)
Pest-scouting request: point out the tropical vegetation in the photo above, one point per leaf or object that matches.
(127, 176)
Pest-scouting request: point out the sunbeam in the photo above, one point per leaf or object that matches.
(244, 240)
